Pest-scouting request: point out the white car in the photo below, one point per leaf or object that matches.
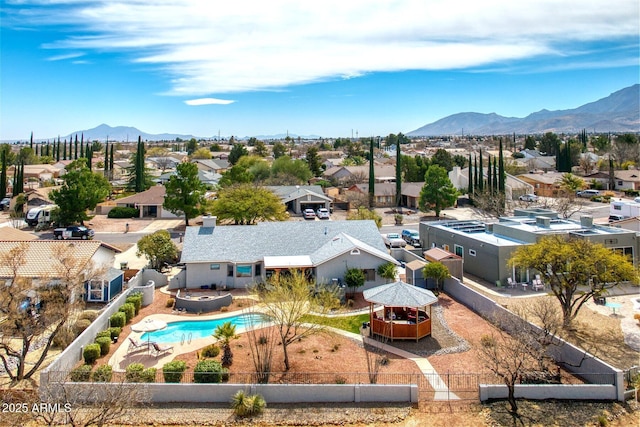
(394, 240)
(528, 198)
(322, 213)
(309, 214)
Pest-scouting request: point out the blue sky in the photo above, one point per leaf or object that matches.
(329, 68)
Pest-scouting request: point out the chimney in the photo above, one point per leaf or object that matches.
(543, 222)
(209, 221)
(586, 221)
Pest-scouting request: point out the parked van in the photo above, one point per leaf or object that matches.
(39, 215)
(588, 193)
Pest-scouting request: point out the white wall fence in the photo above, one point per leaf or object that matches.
(550, 391)
(573, 359)
(222, 393)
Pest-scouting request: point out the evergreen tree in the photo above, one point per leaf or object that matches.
(372, 180)
(81, 148)
(4, 160)
(494, 177)
(31, 140)
(58, 150)
(481, 172)
(475, 173)
(64, 151)
(399, 171)
(489, 180)
(89, 158)
(470, 188)
(501, 174)
(111, 159)
(75, 155)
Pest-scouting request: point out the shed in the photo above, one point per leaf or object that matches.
(450, 260)
(413, 273)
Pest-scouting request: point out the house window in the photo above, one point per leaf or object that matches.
(258, 270)
(617, 207)
(472, 252)
(355, 252)
(459, 250)
(243, 271)
(433, 244)
(230, 270)
(96, 290)
(620, 183)
(214, 266)
(369, 274)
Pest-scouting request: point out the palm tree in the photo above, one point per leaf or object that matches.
(570, 183)
(225, 333)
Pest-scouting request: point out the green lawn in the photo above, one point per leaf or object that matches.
(347, 323)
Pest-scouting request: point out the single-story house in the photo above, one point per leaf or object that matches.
(149, 202)
(384, 193)
(544, 184)
(39, 264)
(205, 177)
(242, 255)
(297, 198)
(212, 165)
(514, 186)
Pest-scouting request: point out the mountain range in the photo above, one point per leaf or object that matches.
(618, 112)
(123, 134)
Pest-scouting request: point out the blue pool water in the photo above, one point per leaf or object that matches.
(174, 331)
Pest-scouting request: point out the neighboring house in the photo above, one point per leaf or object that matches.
(385, 193)
(486, 247)
(514, 187)
(628, 179)
(536, 161)
(205, 177)
(149, 203)
(600, 178)
(121, 169)
(297, 198)
(544, 184)
(212, 165)
(162, 162)
(382, 173)
(90, 255)
(242, 255)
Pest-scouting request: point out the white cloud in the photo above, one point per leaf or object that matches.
(209, 101)
(249, 45)
(65, 56)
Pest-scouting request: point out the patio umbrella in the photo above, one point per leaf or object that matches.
(149, 325)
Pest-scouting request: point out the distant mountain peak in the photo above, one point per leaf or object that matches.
(618, 112)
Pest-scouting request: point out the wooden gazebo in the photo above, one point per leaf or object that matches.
(404, 315)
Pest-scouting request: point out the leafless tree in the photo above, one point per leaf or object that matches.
(587, 164)
(376, 356)
(262, 342)
(491, 202)
(82, 404)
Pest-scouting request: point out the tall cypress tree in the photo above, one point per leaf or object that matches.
(372, 179)
(3, 170)
(89, 158)
(481, 172)
(489, 180)
(111, 159)
(470, 174)
(494, 176)
(398, 172)
(75, 154)
(475, 173)
(501, 175)
(81, 148)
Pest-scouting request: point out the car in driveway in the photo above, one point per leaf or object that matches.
(394, 240)
(412, 237)
(4, 203)
(528, 198)
(588, 193)
(309, 214)
(322, 213)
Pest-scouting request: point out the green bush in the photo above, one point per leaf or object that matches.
(114, 332)
(129, 311)
(102, 374)
(81, 325)
(211, 350)
(81, 374)
(209, 371)
(102, 334)
(135, 299)
(105, 345)
(118, 320)
(136, 373)
(170, 302)
(123, 212)
(91, 353)
(90, 315)
(245, 405)
(172, 371)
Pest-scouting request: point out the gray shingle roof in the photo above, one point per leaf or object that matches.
(322, 240)
(400, 294)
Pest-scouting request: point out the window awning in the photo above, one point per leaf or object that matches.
(296, 261)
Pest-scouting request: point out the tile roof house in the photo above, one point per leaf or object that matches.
(238, 256)
(149, 202)
(39, 264)
(212, 165)
(300, 197)
(385, 193)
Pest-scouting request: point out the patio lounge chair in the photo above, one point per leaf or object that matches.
(510, 283)
(135, 345)
(158, 349)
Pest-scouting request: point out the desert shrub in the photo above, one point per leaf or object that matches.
(105, 333)
(114, 332)
(64, 337)
(170, 302)
(209, 371)
(129, 311)
(135, 299)
(211, 350)
(340, 379)
(245, 405)
(118, 319)
(90, 315)
(105, 344)
(91, 353)
(81, 325)
(136, 373)
(172, 371)
(637, 316)
(81, 374)
(123, 212)
(102, 374)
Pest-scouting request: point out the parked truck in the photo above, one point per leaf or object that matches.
(73, 232)
(624, 209)
(40, 215)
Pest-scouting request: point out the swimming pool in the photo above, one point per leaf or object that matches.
(176, 332)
